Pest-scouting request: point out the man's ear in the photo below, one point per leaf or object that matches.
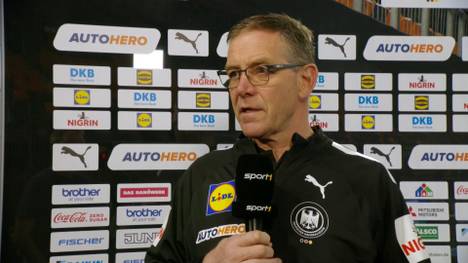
(308, 78)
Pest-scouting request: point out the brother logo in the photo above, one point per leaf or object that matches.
(252, 176)
(80, 192)
(82, 73)
(145, 212)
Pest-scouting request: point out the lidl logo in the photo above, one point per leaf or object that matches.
(424, 191)
(367, 81)
(144, 77)
(421, 102)
(82, 97)
(428, 232)
(203, 100)
(368, 122)
(144, 119)
(315, 102)
(220, 198)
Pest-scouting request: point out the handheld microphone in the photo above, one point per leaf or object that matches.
(254, 190)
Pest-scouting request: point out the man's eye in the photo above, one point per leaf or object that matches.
(261, 70)
(233, 74)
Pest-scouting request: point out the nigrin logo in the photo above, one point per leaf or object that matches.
(180, 36)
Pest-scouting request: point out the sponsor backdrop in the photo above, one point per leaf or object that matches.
(94, 144)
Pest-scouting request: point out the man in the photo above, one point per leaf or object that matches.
(333, 204)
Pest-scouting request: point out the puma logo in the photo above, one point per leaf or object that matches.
(330, 41)
(70, 151)
(309, 178)
(374, 150)
(182, 37)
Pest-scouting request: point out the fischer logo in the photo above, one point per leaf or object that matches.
(219, 231)
(106, 39)
(79, 241)
(258, 208)
(409, 48)
(253, 176)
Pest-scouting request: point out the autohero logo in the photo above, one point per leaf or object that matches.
(219, 231)
(368, 122)
(421, 102)
(80, 194)
(439, 157)
(309, 220)
(220, 198)
(409, 48)
(144, 120)
(144, 77)
(155, 156)
(367, 81)
(106, 39)
(315, 101)
(261, 177)
(203, 100)
(82, 97)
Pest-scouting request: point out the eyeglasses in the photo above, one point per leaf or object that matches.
(257, 74)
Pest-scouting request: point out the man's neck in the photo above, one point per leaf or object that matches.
(281, 143)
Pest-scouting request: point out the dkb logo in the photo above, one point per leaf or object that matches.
(82, 73)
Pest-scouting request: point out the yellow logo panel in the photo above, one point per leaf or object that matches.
(82, 97)
(220, 198)
(203, 100)
(367, 81)
(144, 77)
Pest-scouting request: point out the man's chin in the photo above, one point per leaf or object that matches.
(252, 132)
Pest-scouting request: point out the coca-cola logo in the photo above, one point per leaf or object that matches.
(79, 217)
(462, 190)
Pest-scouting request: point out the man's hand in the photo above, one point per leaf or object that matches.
(254, 246)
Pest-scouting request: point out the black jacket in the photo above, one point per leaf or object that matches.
(333, 205)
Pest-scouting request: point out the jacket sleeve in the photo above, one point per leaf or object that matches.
(170, 248)
(396, 237)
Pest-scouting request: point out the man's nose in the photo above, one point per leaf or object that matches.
(244, 84)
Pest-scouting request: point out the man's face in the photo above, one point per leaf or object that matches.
(263, 111)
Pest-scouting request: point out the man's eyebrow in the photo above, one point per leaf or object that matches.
(252, 64)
